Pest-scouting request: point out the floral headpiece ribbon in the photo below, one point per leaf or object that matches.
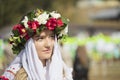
(33, 23)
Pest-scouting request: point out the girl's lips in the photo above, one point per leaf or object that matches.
(47, 51)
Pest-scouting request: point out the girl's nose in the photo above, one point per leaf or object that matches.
(47, 43)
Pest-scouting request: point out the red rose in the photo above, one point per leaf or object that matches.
(26, 36)
(20, 28)
(33, 25)
(51, 23)
(59, 23)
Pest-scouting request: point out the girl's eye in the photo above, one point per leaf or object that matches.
(39, 38)
(52, 36)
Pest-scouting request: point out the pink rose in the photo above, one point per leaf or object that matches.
(59, 23)
(51, 23)
(33, 25)
(21, 29)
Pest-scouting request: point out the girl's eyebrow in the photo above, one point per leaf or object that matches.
(37, 35)
(51, 34)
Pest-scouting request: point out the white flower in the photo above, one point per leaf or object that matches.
(64, 31)
(55, 15)
(24, 21)
(42, 19)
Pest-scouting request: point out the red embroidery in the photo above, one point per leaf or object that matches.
(10, 72)
(3, 78)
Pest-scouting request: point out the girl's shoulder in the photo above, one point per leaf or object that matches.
(21, 75)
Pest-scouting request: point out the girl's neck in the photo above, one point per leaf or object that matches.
(43, 62)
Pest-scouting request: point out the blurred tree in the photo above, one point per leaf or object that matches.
(11, 10)
(66, 7)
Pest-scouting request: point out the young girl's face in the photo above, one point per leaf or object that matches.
(44, 43)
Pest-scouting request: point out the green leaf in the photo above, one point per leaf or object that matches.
(30, 32)
(16, 33)
(23, 40)
(65, 20)
(38, 31)
(10, 39)
(31, 15)
(59, 29)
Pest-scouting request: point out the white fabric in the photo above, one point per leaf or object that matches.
(28, 58)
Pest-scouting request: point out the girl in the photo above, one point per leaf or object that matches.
(35, 40)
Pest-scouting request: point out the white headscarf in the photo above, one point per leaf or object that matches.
(28, 59)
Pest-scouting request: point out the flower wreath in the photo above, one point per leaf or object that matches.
(33, 23)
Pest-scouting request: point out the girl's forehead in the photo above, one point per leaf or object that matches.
(46, 32)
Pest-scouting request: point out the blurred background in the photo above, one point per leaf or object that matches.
(93, 45)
